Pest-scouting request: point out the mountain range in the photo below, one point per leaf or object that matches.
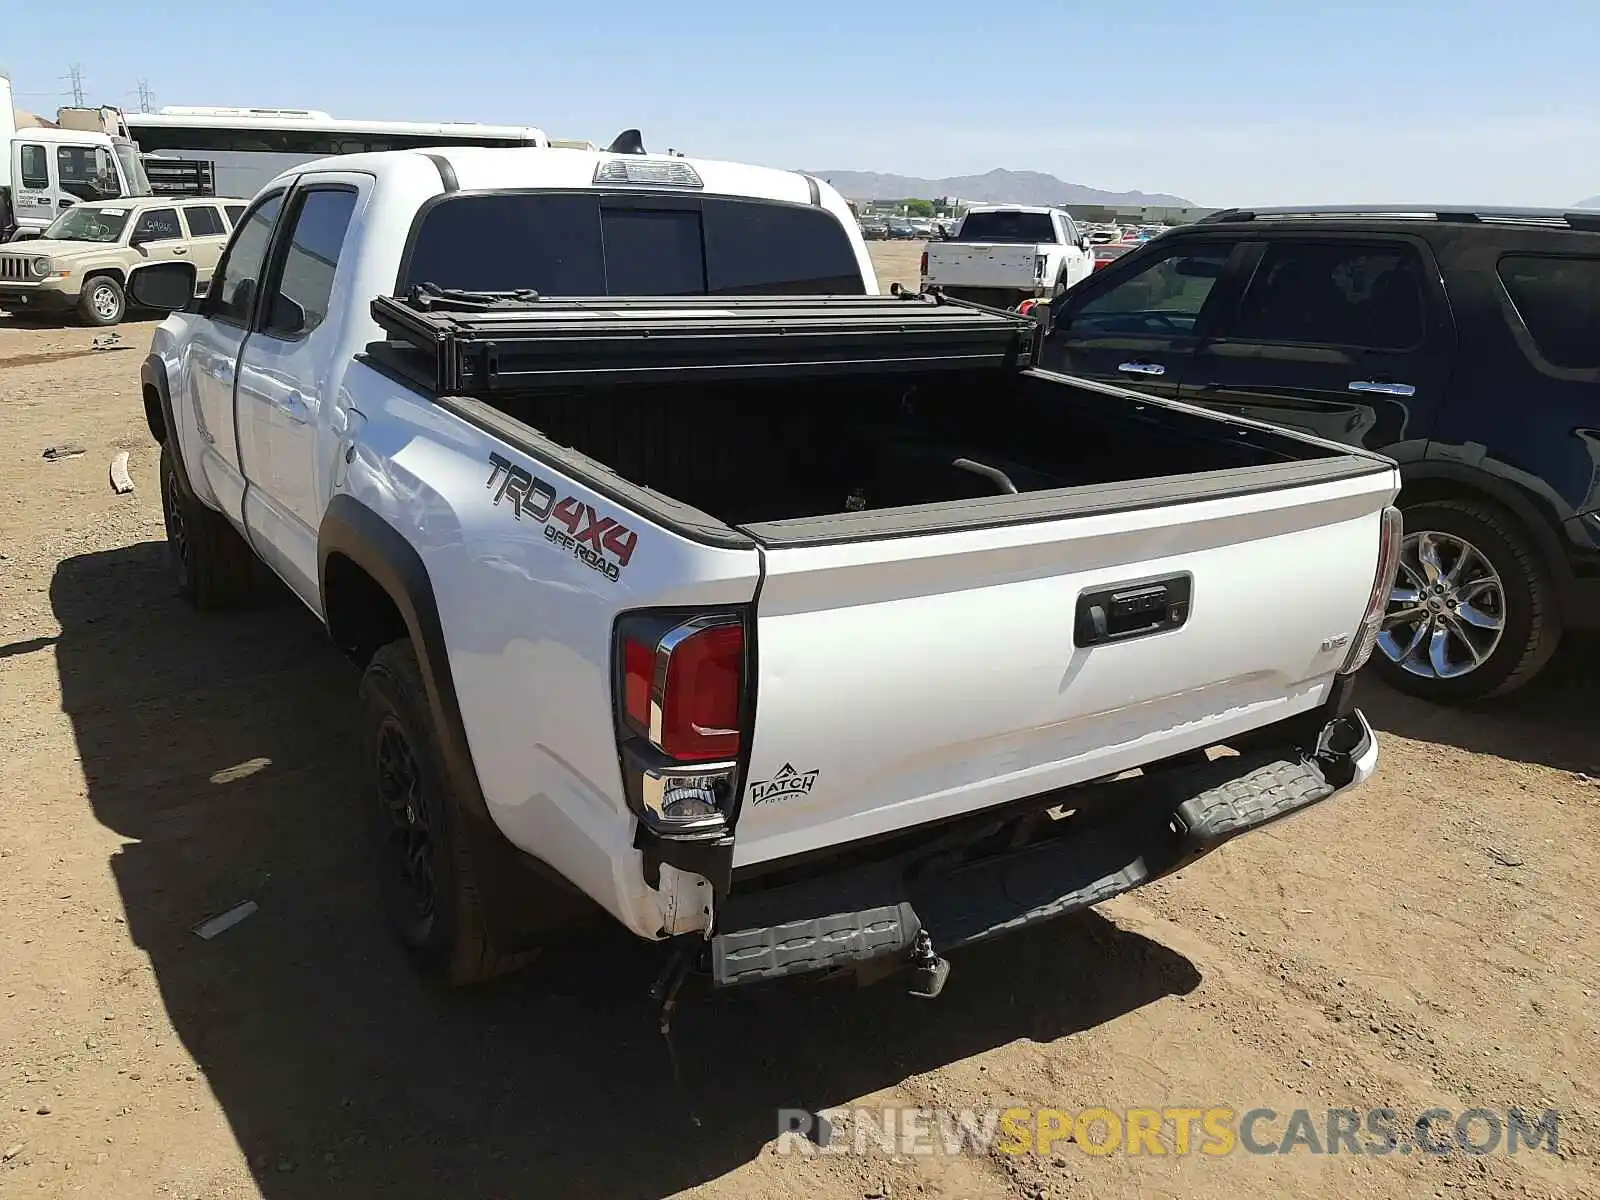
(995, 187)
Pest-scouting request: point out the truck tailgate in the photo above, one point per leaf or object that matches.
(906, 680)
(978, 264)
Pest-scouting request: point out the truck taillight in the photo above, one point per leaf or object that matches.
(681, 707)
(924, 267)
(1390, 537)
(683, 692)
(1040, 262)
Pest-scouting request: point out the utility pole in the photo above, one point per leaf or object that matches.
(76, 76)
(145, 95)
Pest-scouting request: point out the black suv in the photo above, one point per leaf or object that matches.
(1464, 344)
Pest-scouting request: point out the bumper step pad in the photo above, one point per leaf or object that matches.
(874, 912)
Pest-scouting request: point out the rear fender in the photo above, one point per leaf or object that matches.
(513, 615)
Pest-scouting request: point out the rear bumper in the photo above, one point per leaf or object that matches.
(1134, 831)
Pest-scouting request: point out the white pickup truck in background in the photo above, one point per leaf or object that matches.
(1002, 255)
(801, 627)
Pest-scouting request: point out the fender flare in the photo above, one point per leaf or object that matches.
(515, 906)
(163, 427)
(351, 529)
(1541, 525)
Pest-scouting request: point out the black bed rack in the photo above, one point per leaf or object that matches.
(507, 344)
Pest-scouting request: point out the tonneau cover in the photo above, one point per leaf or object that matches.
(507, 344)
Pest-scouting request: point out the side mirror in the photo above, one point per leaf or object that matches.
(164, 287)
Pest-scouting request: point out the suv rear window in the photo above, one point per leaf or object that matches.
(1559, 301)
(1026, 227)
(596, 244)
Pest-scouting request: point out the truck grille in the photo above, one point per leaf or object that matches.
(15, 268)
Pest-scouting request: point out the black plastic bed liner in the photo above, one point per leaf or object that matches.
(515, 345)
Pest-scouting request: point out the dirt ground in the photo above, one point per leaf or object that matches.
(1426, 942)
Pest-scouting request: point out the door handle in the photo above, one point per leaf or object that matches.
(63, 203)
(1140, 368)
(180, 249)
(1382, 388)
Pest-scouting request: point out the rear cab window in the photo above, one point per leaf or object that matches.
(1027, 228)
(1558, 299)
(601, 244)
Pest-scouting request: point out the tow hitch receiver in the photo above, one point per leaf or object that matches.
(928, 971)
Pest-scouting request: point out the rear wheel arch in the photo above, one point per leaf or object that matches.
(155, 416)
(369, 572)
(1425, 483)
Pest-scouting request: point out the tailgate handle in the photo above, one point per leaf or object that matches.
(1133, 609)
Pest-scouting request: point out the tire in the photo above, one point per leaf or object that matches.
(1061, 285)
(418, 828)
(1529, 621)
(102, 301)
(212, 564)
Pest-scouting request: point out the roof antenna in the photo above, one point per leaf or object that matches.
(629, 141)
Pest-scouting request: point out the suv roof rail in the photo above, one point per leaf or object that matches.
(1457, 213)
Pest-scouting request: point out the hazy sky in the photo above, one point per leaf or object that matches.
(1232, 101)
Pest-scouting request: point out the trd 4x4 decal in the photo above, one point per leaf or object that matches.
(601, 543)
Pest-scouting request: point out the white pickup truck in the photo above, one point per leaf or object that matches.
(1004, 254)
(798, 626)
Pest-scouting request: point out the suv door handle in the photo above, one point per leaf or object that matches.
(180, 249)
(1382, 388)
(1139, 368)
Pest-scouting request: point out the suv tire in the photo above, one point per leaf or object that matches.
(102, 301)
(418, 828)
(1503, 578)
(213, 564)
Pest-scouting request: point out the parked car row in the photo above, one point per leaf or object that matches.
(878, 229)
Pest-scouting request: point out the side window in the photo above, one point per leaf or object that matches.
(1335, 294)
(35, 167)
(298, 302)
(87, 172)
(1162, 300)
(156, 225)
(234, 211)
(203, 221)
(233, 287)
(1559, 301)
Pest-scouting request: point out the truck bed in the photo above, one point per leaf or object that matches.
(778, 457)
(976, 581)
(836, 416)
